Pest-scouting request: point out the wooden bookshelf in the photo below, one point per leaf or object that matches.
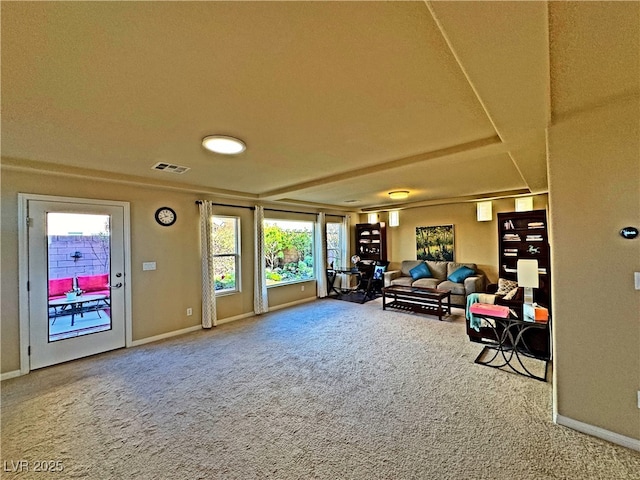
(524, 235)
(371, 241)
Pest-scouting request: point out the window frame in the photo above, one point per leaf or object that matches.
(237, 255)
(341, 247)
(270, 283)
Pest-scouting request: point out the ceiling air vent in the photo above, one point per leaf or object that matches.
(168, 167)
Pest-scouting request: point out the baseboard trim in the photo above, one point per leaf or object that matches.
(221, 321)
(8, 375)
(291, 304)
(174, 333)
(612, 437)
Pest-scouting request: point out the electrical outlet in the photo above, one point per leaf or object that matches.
(638, 398)
(189, 312)
(302, 288)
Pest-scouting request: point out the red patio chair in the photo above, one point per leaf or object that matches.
(94, 284)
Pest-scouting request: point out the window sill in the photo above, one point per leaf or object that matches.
(225, 293)
(293, 282)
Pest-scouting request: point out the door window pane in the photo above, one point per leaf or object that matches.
(78, 265)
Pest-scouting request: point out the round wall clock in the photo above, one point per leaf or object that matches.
(166, 216)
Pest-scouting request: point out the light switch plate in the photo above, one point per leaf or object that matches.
(637, 279)
(148, 265)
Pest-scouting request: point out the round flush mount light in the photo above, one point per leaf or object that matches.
(223, 144)
(399, 194)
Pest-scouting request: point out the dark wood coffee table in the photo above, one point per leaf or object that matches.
(430, 301)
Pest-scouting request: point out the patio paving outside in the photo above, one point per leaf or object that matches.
(89, 322)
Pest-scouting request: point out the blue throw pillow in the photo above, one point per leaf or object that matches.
(460, 274)
(420, 271)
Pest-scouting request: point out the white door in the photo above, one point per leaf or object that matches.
(76, 270)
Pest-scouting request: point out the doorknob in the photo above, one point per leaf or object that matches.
(117, 285)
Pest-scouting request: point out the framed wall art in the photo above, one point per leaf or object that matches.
(435, 243)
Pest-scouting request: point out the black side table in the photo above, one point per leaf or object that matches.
(511, 347)
(332, 274)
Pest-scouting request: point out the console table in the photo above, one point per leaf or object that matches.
(416, 299)
(510, 347)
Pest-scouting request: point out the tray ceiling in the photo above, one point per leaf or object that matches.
(336, 101)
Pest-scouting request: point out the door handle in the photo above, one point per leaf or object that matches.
(117, 285)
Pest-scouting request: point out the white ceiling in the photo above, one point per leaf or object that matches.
(337, 101)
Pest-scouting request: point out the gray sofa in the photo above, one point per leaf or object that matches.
(439, 272)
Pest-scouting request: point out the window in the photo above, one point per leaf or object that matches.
(226, 253)
(288, 250)
(335, 245)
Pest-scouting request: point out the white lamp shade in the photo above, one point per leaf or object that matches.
(528, 273)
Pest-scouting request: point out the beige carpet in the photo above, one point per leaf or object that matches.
(328, 390)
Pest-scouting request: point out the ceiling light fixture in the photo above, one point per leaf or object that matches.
(399, 194)
(223, 144)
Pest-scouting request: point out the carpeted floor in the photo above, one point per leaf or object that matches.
(327, 390)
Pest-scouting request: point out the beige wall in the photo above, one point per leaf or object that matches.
(594, 172)
(475, 242)
(159, 298)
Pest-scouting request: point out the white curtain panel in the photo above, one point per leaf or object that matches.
(209, 316)
(260, 298)
(321, 255)
(345, 241)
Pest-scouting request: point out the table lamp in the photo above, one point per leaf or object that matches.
(355, 259)
(528, 278)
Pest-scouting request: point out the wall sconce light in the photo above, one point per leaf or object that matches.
(394, 218)
(524, 204)
(484, 211)
(372, 218)
(76, 256)
(398, 194)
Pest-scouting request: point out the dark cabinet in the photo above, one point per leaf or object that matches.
(524, 235)
(371, 241)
